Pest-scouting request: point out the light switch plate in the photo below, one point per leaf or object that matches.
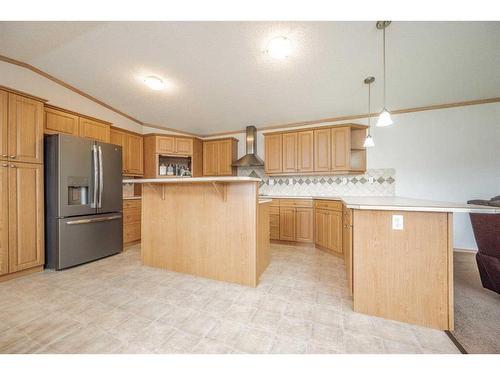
(397, 222)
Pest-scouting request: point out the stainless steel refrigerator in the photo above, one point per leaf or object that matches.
(83, 200)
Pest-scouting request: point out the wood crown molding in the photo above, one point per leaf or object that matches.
(263, 128)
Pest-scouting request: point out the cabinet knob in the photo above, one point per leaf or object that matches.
(12, 166)
(4, 165)
(12, 156)
(4, 156)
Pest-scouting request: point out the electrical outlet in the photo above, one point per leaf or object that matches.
(344, 180)
(397, 222)
(371, 180)
(290, 181)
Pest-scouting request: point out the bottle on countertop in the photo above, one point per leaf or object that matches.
(163, 169)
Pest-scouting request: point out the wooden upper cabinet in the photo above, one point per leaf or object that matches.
(165, 145)
(135, 154)
(273, 155)
(305, 151)
(322, 150)
(132, 151)
(60, 122)
(184, 146)
(4, 218)
(93, 129)
(25, 129)
(226, 158)
(304, 225)
(218, 157)
(341, 148)
(210, 158)
(4, 115)
(26, 228)
(289, 152)
(287, 224)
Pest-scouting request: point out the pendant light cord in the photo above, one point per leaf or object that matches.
(369, 113)
(384, 62)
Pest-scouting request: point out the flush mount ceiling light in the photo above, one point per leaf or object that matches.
(384, 119)
(154, 83)
(279, 47)
(369, 140)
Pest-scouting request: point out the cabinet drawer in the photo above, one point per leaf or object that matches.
(131, 203)
(328, 205)
(131, 232)
(132, 216)
(275, 203)
(274, 210)
(296, 203)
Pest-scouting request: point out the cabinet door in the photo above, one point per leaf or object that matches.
(347, 245)
(305, 151)
(60, 122)
(25, 129)
(341, 148)
(334, 230)
(304, 220)
(4, 140)
(319, 230)
(119, 138)
(273, 154)
(290, 152)
(4, 218)
(274, 226)
(26, 230)
(95, 130)
(225, 158)
(287, 224)
(322, 150)
(134, 152)
(184, 146)
(210, 158)
(165, 145)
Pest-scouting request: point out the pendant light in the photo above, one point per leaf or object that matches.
(369, 140)
(384, 119)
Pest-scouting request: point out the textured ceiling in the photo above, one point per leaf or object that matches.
(221, 80)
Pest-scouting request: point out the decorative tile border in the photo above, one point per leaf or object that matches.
(379, 182)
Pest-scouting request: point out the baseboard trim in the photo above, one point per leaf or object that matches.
(455, 341)
(14, 275)
(470, 251)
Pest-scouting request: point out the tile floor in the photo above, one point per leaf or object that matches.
(116, 305)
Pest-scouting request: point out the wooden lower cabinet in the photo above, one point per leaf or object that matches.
(347, 245)
(304, 225)
(22, 229)
(274, 223)
(287, 224)
(328, 230)
(131, 220)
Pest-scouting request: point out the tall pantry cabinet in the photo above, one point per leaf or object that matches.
(21, 184)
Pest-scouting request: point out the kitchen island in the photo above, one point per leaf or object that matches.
(213, 227)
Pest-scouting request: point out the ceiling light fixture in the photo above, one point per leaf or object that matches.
(154, 83)
(384, 119)
(369, 140)
(279, 47)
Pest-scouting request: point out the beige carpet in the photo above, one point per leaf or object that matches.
(477, 310)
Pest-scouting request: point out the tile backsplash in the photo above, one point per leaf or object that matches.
(375, 182)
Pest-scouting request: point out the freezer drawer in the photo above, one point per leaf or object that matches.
(86, 238)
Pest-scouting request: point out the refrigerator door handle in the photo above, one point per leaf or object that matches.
(96, 220)
(96, 176)
(101, 178)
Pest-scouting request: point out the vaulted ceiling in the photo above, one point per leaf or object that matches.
(220, 79)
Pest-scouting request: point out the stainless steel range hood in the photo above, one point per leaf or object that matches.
(250, 159)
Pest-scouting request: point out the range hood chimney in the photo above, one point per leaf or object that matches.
(250, 159)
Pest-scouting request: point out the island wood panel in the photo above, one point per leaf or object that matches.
(263, 237)
(305, 151)
(224, 245)
(25, 129)
(4, 111)
(26, 225)
(290, 152)
(403, 274)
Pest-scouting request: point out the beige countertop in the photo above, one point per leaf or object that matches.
(174, 180)
(262, 201)
(400, 204)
